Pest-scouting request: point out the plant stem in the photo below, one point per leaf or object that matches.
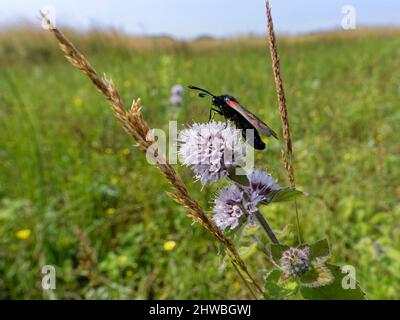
(264, 223)
(299, 235)
(245, 282)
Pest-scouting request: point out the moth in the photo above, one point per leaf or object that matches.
(229, 107)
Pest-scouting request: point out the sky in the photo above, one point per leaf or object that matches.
(185, 19)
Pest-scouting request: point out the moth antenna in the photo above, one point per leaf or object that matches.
(200, 89)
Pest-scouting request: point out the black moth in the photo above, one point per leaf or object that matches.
(230, 108)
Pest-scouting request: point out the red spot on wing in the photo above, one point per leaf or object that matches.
(232, 104)
(254, 121)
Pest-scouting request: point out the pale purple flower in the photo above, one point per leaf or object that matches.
(177, 90)
(235, 201)
(176, 100)
(295, 261)
(228, 207)
(210, 149)
(260, 186)
(176, 95)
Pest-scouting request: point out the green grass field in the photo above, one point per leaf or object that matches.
(75, 193)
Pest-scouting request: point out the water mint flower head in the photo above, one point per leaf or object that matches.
(177, 90)
(295, 261)
(228, 207)
(210, 149)
(236, 200)
(176, 100)
(260, 186)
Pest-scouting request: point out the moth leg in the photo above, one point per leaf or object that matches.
(216, 110)
(211, 113)
(222, 112)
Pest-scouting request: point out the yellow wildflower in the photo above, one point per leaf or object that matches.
(122, 259)
(169, 245)
(125, 152)
(78, 102)
(129, 274)
(23, 234)
(110, 211)
(114, 180)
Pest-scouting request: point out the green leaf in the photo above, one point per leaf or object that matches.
(277, 251)
(246, 252)
(335, 290)
(309, 276)
(319, 275)
(275, 289)
(319, 249)
(284, 194)
(238, 178)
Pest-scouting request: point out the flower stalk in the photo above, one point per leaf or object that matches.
(267, 228)
(287, 154)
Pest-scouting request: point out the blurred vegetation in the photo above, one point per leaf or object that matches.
(75, 193)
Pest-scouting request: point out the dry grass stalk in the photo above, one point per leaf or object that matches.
(87, 255)
(287, 154)
(135, 125)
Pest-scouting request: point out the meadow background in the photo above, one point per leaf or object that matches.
(75, 193)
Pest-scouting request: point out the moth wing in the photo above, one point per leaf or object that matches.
(256, 122)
